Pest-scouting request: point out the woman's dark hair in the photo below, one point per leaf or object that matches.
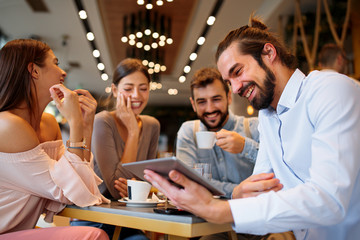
(16, 83)
(206, 76)
(127, 67)
(251, 40)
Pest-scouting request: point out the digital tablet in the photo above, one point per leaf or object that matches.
(163, 166)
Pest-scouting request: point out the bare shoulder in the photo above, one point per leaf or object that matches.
(49, 120)
(50, 129)
(16, 134)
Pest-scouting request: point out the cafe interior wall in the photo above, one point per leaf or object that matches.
(338, 10)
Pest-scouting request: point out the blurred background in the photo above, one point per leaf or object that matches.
(174, 38)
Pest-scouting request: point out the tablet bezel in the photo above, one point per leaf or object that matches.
(164, 165)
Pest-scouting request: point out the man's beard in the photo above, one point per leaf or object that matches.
(219, 125)
(266, 94)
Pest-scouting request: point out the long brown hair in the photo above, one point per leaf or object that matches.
(16, 83)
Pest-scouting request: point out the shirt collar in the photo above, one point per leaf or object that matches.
(291, 91)
(289, 95)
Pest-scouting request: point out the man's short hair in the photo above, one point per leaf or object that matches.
(328, 55)
(206, 76)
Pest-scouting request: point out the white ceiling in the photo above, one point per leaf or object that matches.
(17, 20)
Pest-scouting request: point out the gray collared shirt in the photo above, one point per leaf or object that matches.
(228, 169)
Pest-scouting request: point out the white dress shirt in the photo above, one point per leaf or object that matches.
(311, 143)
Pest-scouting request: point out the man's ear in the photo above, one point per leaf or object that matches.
(192, 104)
(229, 96)
(340, 60)
(34, 70)
(269, 53)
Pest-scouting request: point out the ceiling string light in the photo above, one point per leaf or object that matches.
(149, 5)
(147, 30)
(154, 60)
(201, 40)
(91, 38)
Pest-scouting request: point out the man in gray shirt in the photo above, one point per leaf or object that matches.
(233, 156)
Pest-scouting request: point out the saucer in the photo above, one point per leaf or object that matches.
(147, 203)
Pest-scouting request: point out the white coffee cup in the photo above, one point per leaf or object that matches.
(205, 139)
(138, 190)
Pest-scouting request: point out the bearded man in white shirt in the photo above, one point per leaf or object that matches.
(306, 177)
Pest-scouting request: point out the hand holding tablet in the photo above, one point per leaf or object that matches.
(164, 165)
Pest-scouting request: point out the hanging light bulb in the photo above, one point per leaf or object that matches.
(104, 77)
(101, 66)
(90, 36)
(169, 41)
(140, 2)
(145, 62)
(211, 20)
(201, 40)
(82, 14)
(124, 39)
(96, 53)
(193, 56)
(187, 69)
(182, 79)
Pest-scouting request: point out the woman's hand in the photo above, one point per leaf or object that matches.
(67, 102)
(256, 185)
(88, 106)
(121, 186)
(126, 114)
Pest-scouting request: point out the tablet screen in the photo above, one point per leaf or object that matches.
(164, 165)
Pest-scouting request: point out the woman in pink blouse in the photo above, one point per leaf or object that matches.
(37, 173)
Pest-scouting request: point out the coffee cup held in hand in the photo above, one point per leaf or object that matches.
(205, 139)
(138, 190)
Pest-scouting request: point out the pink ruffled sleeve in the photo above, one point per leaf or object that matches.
(50, 172)
(77, 180)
